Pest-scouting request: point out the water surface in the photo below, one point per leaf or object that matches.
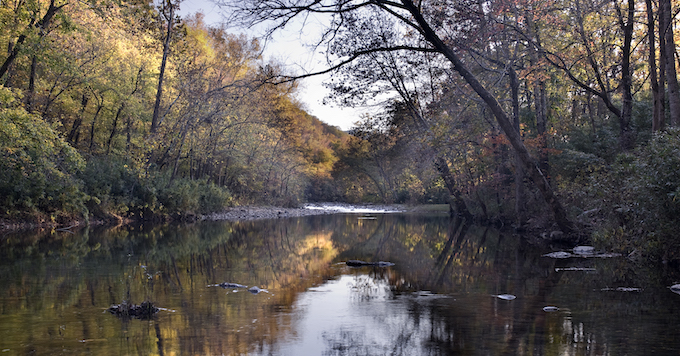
(440, 297)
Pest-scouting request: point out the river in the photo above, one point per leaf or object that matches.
(454, 289)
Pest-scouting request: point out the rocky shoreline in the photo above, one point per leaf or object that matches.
(245, 213)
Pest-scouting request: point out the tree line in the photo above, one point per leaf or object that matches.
(560, 115)
(122, 109)
(556, 115)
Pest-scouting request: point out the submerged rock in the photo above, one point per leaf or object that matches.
(127, 310)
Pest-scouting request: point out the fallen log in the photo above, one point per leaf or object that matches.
(357, 263)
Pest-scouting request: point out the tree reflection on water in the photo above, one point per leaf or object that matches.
(438, 298)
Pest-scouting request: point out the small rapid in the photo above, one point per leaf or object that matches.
(355, 209)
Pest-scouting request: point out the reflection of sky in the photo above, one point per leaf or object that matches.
(351, 315)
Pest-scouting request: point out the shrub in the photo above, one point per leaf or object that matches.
(120, 188)
(639, 197)
(117, 187)
(37, 167)
(181, 195)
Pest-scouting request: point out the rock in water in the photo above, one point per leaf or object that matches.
(584, 250)
(558, 254)
(675, 288)
(505, 296)
(232, 285)
(257, 290)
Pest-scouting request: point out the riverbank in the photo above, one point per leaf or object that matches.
(239, 213)
(244, 213)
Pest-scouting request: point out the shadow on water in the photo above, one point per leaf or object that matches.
(439, 298)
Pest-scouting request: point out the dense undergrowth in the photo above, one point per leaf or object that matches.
(45, 180)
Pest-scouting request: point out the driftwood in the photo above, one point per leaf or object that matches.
(127, 310)
(231, 285)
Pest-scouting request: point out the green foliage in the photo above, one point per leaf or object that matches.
(638, 199)
(603, 143)
(37, 166)
(226, 137)
(181, 196)
(116, 187)
(121, 189)
(575, 166)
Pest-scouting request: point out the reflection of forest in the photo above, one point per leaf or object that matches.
(55, 287)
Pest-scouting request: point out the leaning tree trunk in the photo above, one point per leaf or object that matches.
(456, 202)
(530, 164)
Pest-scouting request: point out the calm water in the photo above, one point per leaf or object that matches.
(438, 298)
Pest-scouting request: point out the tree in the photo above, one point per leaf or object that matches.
(667, 47)
(416, 79)
(589, 41)
(436, 25)
(37, 167)
(656, 76)
(42, 27)
(168, 12)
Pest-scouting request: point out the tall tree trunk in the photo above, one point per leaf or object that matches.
(659, 115)
(666, 23)
(179, 155)
(94, 122)
(529, 162)
(30, 95)
(128, 132)
(456, 202)
(520, 196)
(114, 126)
(540, 100)
(73, 135)
(161, 75)
(627, 133)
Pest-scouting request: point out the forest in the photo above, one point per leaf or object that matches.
(551, 116)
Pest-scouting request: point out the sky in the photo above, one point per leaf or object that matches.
(288, 48)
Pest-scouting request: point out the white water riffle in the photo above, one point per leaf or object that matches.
(358, 209)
